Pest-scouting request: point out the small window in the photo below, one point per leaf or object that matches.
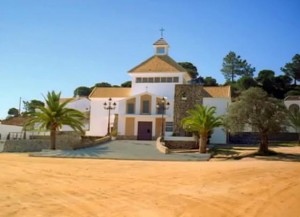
(157, 79)
(150, 80)
(169, 79)
(145, 80)
(130, 108)
(160, 50)
(146, 105)
(169, 127)
(175, 79)
(163, 80)
(138, 80)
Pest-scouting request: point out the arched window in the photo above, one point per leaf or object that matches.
(294, 108)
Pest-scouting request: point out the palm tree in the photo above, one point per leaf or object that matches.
(294, 118)
(54, 115)
(201, 120)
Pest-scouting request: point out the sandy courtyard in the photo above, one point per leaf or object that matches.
(81, 187)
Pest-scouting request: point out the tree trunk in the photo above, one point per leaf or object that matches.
(264, 144)
(202, 143)
(52, 139)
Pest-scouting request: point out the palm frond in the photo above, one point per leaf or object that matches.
(201, 119)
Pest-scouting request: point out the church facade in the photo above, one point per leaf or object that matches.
(160, 91)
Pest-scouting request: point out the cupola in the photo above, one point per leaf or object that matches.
(161, 47)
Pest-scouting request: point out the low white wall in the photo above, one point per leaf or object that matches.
(6, 129)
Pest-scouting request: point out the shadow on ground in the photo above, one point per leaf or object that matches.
(242, 152)
(277, 156)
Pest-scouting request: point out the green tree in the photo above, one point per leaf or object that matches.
(265, 80)
(82, 91)
(210, 81)
(246, 82)
(54, 116)
(191, 69)
(264, 75)
(247, 69)
(281, 86)
(294, 119)
(103, 84)
(31, 105)
(276, 86)
(255, 109)
(13, 111)
(234, 66)
(126, 84)
(292, 69)
(201, 120)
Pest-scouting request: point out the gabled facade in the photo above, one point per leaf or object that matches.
(139, 117)
(136, 115)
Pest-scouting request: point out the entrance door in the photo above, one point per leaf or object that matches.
(144, 131)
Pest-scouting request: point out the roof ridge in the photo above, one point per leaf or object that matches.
(164, 58)
(213, 90)
(179, 67)
(142, 63)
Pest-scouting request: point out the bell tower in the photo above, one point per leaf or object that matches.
(161, 47)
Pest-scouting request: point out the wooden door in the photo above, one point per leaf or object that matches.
(144, 130)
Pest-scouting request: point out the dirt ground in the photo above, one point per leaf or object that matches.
(51, 187)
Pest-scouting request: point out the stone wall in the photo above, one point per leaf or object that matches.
(123, 137)
(181, 144)
(64, 141)
(186, 96)
(26, 145)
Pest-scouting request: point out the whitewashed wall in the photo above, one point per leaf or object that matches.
(160, 89)
(99, 116)
(6, 129)
(221, 104)
(288, 103)
(81, 104)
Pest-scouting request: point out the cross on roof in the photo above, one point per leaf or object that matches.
(162, 32)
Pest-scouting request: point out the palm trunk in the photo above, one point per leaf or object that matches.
(202, 143)
(264, 144)
(52, 139)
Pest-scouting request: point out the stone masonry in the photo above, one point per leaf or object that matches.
(186, 96)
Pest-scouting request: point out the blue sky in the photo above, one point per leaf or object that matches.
(62, 44)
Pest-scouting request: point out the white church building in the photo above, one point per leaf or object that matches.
(133, 112)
